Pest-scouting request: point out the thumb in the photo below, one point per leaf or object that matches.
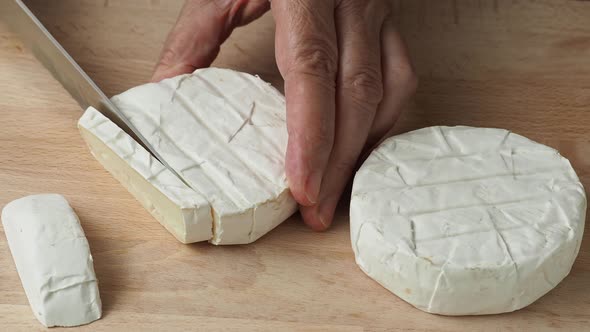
(201, 28)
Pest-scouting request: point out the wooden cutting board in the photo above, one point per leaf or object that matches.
(520, 65)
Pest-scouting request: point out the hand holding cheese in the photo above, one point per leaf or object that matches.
(337, 57)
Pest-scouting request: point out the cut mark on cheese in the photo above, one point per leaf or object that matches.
(178, 86)
(248, 120)
(196, 165)
(445, 143)
(401, 176)
(513, 175)
(439, 279)
(481, 205)
(474, 232)
(413, 232)
(501, 237)
(505, 139)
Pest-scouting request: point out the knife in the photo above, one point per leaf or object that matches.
(62, 66)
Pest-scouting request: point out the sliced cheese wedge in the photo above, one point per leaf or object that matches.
(53, 260)
(225, 133)
(182, 211)
(466, 221)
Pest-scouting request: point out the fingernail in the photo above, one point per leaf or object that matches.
(312, 187)
(323, 222)
(317, 221)
(325, 215)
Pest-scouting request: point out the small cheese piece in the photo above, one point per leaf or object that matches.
(225, 133)
(182, 211)
(466, 221)
(53, 260)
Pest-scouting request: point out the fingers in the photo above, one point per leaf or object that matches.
(201, 28)
(307, 54)
(399, 81)
(359, 92)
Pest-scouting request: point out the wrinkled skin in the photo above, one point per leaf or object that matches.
(337, 58)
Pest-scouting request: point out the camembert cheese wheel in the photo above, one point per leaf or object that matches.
(466, 221)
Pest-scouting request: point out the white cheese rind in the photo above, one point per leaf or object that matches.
(225, 133)
(53, 260)
(183, 212)
(466, 221)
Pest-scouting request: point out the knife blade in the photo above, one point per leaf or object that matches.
(63, 68)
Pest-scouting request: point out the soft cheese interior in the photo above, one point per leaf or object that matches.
(461, 220)
(53, 260)
(225, 133)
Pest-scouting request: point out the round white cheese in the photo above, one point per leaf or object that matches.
(466, 221)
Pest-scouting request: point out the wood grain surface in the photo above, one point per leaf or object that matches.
(520, 65)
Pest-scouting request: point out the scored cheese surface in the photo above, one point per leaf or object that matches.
(53, 260)
(465, 221)
(225, 133)
(182, 211)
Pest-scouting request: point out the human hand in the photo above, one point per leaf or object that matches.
(337, 58)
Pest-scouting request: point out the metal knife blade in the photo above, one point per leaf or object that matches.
(62, 66)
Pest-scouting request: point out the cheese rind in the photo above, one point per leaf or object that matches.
(465, 221)
(53, 260)
(183, 212)
(225, 133)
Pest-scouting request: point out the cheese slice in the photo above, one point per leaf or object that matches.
(185, 213)
(225, 133)
(53, 260)
(466, 221)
